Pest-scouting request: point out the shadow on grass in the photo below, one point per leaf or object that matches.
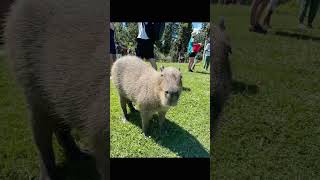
(202, 72)
(243, 88)
(82, 169)
(186, 89)
(297, 35)
(174, 137)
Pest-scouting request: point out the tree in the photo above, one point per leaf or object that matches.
(126, 34)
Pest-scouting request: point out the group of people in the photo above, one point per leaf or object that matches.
(259, 6)
(145, 48)
(193, 50)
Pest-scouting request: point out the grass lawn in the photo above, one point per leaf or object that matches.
(271, 126)
(18, 157)
(187, 125)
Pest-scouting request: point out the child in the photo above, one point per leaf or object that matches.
(207, 56)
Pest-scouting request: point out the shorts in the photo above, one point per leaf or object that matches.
(207, 58)
(193, 54)
(112, 43)
(144, 49)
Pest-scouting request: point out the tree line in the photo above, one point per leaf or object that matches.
(173, 42)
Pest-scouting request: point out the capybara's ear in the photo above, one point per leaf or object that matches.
(179, 69)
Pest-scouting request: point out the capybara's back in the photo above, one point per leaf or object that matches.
(130, 76)
(57, 50)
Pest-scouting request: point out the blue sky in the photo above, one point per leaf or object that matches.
(196, 26)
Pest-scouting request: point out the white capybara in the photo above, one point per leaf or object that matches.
(152, 91)
(58, 53)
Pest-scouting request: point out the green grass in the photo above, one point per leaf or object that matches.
(271, 130)
(187, 125)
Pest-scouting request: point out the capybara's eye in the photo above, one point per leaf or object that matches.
(167, 92)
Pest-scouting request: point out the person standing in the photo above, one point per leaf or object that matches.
(313, 6)
(112, 46)
(191, 53)
(145, 46)
(207, 55)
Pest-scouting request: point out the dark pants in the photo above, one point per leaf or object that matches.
(206, 62)
(313, 6)
(257, 9)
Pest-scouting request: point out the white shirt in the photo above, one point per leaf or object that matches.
(142, 33)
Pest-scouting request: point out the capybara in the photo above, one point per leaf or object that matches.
(57, 50)
(152, 91)
(221, 80)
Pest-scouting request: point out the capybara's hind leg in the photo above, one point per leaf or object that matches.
(131, 107)
(123, 102)
(42, 133)
(66, 141)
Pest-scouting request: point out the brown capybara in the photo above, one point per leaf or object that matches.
(221, 80)
(152, 91)
(57, 50)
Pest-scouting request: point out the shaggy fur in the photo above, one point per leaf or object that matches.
(58, 52)
(152, 91)
(221, 80)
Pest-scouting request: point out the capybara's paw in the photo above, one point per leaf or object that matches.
(146, 136)
(124, 119)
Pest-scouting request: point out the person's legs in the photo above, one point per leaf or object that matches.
(111, 61)
(153, 63)
(272, 5)
(139, 48)
(261, 8)
(194, 63)
(304, 4)
(314, 6)
(207, 62)
(257, 9)
(112, 49)
(149, 53)
(191, 59)
(254, 7)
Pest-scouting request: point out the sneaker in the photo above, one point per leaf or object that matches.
(190, 70)
(259, 29)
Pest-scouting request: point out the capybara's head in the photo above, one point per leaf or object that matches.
(171, 86)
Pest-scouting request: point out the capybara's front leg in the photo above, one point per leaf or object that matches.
(162, 118)
(145, 117)
(123, 102)
(42, 133)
